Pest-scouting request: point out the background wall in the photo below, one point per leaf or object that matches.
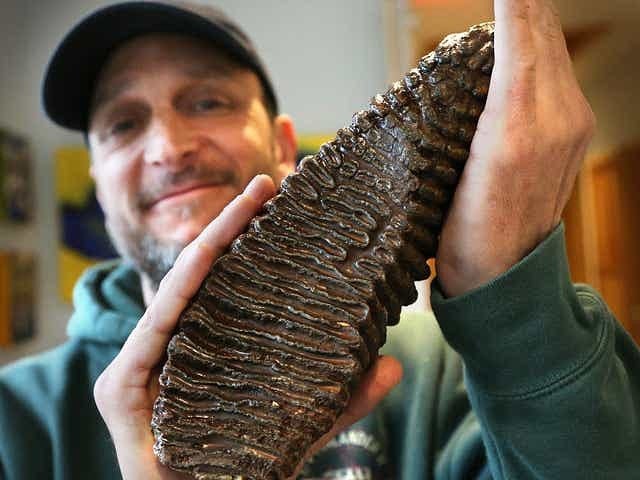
(326, 58)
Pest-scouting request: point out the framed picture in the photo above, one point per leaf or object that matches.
(16, 190)
(83, 240)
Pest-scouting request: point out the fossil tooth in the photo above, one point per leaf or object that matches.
(268, 352)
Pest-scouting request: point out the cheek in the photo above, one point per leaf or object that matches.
(255, 154)
(256, 136)
(116, 188)
(244, 147)
(259, 129)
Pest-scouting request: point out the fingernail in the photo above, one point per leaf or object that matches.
(256, 189)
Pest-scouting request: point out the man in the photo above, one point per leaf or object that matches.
(179, 112)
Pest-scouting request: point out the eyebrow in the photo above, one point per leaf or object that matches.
(210, 69)
(199, 70)
(106, 95)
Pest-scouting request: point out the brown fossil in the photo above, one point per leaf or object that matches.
(269, 350)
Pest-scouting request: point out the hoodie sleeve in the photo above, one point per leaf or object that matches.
(552, 377)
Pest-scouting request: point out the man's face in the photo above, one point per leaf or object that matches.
(176, 132)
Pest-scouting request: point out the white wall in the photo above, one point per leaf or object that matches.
(326, 58)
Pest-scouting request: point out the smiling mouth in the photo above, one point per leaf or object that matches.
(181, 193)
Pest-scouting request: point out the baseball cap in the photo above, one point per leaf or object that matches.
(74, 67)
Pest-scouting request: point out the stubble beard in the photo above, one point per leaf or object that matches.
(150, 256)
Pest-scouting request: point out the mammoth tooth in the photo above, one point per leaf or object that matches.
(268, 352)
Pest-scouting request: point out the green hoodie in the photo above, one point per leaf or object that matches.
(553, 379)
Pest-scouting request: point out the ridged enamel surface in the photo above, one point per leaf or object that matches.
(267, 354)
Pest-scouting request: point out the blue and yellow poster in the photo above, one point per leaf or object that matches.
(83, 239)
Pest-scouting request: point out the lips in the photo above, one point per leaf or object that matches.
(191, 178)
(176, 192)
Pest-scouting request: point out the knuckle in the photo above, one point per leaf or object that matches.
(573, 121)
(143, 327)
(157, 323)
(583, 124)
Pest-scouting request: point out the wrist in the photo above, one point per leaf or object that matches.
(468, 267)
(457, 278)
(532, 307)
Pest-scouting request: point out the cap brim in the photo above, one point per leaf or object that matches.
(72, 72)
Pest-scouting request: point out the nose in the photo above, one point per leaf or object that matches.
(168, 141)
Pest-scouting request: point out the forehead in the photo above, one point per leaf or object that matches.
(148, 54)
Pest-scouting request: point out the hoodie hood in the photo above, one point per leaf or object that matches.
(108, 303)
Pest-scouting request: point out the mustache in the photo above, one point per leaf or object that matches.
(199, 174)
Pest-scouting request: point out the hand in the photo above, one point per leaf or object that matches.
(526, 153)
(126, 390)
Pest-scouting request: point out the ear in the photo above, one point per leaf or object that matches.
(286, 146)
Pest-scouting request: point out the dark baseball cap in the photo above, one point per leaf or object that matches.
(70, 77)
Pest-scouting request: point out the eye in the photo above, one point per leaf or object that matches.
(206, 104)
(122, 126)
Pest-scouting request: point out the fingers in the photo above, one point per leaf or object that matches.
(529, 50)
(147, 343)
(514, 41)
(234, 218)
(529, 30)
(547, 29)
(513, 20)
(525, 154)
(514, 74)
(194, 262)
